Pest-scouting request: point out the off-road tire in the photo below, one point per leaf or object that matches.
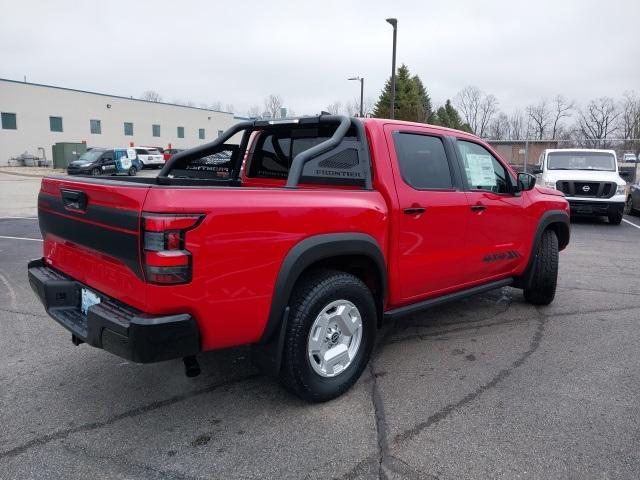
(545, 274)
(312, 293)
(615, 218)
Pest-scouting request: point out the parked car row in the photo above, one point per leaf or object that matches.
(122, 161)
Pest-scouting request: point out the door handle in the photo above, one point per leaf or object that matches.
(478, 208)
(414, 210)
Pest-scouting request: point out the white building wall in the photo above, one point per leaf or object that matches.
(33, 105)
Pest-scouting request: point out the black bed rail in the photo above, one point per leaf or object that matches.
(299, 161)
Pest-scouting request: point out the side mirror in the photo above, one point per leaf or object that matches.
(537, 171)
(624, 174)
(526, 181)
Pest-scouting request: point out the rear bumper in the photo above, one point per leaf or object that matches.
(595, 208)
(111, 325)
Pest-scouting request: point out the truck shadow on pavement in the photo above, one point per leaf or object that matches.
(235, 392)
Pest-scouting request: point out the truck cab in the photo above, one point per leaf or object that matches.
(589, 179)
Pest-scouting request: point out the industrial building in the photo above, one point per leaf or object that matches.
(34, 117)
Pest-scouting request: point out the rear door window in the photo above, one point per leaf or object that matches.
(423, 161)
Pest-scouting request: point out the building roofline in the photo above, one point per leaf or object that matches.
(111, 96)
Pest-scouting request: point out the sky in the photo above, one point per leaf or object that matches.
(239, 52)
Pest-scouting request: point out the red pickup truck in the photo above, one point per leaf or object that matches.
(299, 239)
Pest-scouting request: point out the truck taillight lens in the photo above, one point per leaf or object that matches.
(166, 260)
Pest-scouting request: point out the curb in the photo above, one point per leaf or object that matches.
(31, 175)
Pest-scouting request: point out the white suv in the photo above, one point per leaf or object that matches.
(150, 157)
(588, 178)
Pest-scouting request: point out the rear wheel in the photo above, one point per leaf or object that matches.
(330, 335)
(545, 274)
(95, 172)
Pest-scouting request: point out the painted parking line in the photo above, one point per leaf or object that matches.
(18, 218)
(630, 223)
(25, 238)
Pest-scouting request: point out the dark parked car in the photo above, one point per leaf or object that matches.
(633, 199)
(103, 161)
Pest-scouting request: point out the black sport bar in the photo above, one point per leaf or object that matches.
(298, 163)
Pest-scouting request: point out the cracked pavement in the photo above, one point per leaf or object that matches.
(489, 387)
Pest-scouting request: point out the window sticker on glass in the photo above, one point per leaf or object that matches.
(480, 170)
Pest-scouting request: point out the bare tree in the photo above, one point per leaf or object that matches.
(273, 105)
(499, 128)
(539, 119)
(217, 105)
(185, 103)
(151, 96)
(254, 111)
(561, 109)
(229, 108)
(334, 108)
(630, 121)
(477, 108)
(352, 108)
(517, 126)
(598, 121)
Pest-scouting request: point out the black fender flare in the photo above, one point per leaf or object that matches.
(557, 219)
(309, 251)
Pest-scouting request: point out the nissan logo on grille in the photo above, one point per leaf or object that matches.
(586, 188)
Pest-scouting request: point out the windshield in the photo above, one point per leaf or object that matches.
(91, 156)
(581, 161)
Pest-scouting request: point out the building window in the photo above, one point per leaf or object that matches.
(180, 132)
(8, 121)
(220, 132)
(55, 124)
(95, 126)
(201, 133)
(155, 130)
(128, 129)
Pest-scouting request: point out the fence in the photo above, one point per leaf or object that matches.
(523, 155)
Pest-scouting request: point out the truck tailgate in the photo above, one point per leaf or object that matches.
(91, 231)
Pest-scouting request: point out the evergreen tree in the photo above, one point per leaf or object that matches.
(448, 116)
(427, 115)
(412, 102)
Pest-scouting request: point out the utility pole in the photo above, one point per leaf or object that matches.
(361, 80)
(394, 23)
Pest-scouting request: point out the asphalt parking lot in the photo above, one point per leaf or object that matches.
(490, 387)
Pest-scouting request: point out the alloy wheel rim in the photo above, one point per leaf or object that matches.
(334, 338)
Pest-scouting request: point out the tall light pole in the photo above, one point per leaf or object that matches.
(361, 80)
(394, 23)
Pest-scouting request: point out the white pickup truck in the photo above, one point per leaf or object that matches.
(588, 178)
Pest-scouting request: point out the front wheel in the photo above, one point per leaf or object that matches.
(330, 335)
(545, 271)
(628, 209)
(615, 218)
(95, 172)
(133, 171)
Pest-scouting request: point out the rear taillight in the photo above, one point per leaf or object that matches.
(166, 260)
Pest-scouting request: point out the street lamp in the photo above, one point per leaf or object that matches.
(394, 23)
(361, 80)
